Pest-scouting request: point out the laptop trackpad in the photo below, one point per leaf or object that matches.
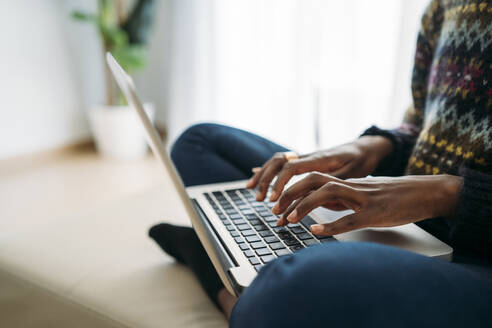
(408, 236)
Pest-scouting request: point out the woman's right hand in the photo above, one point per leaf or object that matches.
(356, 159)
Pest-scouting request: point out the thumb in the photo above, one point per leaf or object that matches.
(347, 223)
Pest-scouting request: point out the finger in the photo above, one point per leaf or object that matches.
(347, 223)
(258, 171)
(329, 192)
(300, 188)
(267, 177)
(343, 172)
(336, 206)
(291, 168)
(283, 219)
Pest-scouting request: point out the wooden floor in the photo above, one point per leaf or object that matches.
(40, 186)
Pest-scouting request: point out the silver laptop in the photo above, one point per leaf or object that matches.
(240, 234)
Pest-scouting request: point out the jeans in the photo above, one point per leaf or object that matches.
(335, 284)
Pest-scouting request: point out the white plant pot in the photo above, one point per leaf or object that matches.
(118, 132)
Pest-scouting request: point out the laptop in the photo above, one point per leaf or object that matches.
(240, 234)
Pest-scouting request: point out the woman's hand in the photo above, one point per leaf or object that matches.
(355, 159)
(376, 201)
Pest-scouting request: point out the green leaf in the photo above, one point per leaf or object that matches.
(114, 37)
(81, 16)
(131, 57)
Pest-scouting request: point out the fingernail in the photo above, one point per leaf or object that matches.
(317, 228)
(279, 222)
(292, 216)
(250, 182)
(275, 208)
(273, 196)
(259, 197)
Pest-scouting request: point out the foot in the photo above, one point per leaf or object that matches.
(183, 244)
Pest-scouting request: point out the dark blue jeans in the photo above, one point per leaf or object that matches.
(336, 284)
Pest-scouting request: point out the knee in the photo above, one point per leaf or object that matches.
(191, 140)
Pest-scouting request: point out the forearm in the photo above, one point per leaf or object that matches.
(377, 148)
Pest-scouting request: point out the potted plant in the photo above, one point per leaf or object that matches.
(115, 126)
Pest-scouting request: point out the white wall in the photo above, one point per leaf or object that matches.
(51, 69)
(51, 72)
(40, 105)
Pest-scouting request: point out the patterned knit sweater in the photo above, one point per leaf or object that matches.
(448, 130)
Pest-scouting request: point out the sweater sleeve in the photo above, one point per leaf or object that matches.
(403, 139)
(471, 228)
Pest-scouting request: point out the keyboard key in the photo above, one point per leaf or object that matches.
(244, 206)
(261, 227)
(265, 233)
(248, 232)
(249, 253)
(258, 267)
(271, 239)
(252, 239)
(244, 246)
(254, 260)
(307, 221)
(291, 242)
(304, 236)
(239, 240)
(234, 233)
(263, 251)
(239, 221)
(242, 227)
(285, 235)
(230, 228)
(270, 218)
(280, 229)
(282, 252)
(272, 224)
(297, 230)
(258, 244)
(251, 216)
(328, 240)
(264, 213)
(296, 248)
(268, 258)
(235, 217)
(255, 221)
(276, 246)
(247, 212)
(310, 242)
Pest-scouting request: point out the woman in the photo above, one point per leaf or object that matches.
(434, 170)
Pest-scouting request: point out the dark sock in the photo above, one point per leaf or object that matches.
(183, 244)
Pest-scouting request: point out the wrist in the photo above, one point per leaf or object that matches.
(448, 195)
(375, 147)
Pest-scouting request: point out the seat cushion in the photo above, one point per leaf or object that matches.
(101, 262)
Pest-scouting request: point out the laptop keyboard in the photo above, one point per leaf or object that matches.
(254, 227)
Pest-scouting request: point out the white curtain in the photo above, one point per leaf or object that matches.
(305, 73)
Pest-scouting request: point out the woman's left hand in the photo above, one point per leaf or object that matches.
(376, 201)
